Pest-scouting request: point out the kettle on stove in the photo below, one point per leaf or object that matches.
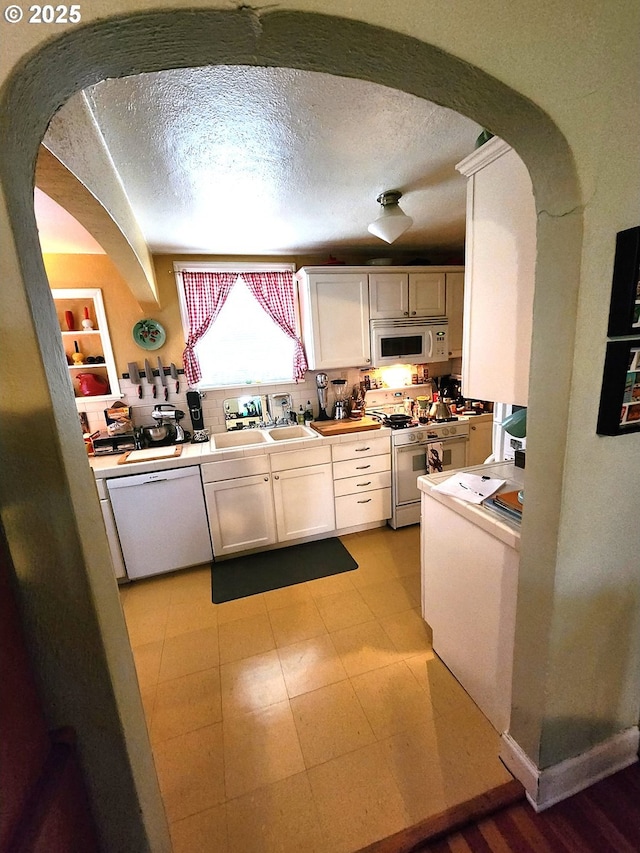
(439, 410)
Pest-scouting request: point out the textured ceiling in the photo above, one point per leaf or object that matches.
(245, 160)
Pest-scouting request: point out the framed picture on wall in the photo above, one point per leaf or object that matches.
(624, 314)
(620, 397)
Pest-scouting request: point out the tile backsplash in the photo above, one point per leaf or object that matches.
(212, 401)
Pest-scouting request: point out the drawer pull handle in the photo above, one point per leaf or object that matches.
(362, 449)
(368, 500)
(368, 483)
(362, 467)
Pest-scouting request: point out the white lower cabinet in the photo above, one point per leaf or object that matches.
(480, 439)
(303, 499)
(352, 510)
(362, 481)
(241, 514)
(239, 504)
(256, 501)
(303, 492)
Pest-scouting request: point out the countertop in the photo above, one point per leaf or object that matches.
(502, 528)
(107, 466)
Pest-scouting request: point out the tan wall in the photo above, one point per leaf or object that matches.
(122, 309)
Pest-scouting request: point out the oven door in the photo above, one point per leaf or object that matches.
(410, 462)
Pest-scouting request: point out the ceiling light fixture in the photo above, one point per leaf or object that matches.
(392, 222)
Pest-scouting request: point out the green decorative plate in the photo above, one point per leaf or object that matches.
(149, 334)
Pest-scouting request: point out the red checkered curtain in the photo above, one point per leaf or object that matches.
(205, 294)
(274, 291)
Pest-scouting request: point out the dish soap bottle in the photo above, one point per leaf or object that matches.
(301, 415)
(308, 414)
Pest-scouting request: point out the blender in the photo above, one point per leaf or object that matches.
(341, 404)
(424, 403)
(322, 383)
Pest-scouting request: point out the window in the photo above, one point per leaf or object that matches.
(240, 326)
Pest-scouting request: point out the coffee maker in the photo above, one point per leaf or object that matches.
(197, 420)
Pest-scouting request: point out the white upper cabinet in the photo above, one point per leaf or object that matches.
(336, 304)
(335, 318)
(388, 295)
(499, 275)
(455, 312)
(395, 295)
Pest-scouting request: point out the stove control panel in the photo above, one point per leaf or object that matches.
(431, 432)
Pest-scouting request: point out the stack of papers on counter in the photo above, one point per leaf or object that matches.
(470, 487)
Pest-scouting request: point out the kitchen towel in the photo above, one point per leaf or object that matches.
(434, 457)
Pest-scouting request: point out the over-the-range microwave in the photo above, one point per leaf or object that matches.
(415, 341)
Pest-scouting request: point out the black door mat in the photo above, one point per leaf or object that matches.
(254, 573)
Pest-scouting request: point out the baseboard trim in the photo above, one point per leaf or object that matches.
(549, 786)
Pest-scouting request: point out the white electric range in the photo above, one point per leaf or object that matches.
(416, 448)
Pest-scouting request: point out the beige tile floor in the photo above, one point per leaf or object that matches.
(314, 718)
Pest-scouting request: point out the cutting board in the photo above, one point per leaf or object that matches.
(345, 426)
(150, 453)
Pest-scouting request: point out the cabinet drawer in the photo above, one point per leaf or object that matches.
(229, 469)
(362, 509)
(358, 467)
(364, 447)
(300, 458)
(364, 483)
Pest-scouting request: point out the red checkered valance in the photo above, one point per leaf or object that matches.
(205, 294)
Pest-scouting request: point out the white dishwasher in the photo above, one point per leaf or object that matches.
(161, 520)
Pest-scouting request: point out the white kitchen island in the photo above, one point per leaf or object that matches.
(469, 558)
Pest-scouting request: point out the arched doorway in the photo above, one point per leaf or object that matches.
(53, 483)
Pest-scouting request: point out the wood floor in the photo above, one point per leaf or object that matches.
(604, 818)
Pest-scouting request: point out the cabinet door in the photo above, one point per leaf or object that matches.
(303, 499)
(480, 439)
(500, 272)
(455, 311)
(427, 294)
(240, 514)
(336, 320)
(388, 295)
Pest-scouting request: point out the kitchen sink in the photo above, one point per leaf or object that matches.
(241, 438)
(286, 433)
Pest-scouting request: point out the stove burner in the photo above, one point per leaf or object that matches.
(396, 425)
(392, 423)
